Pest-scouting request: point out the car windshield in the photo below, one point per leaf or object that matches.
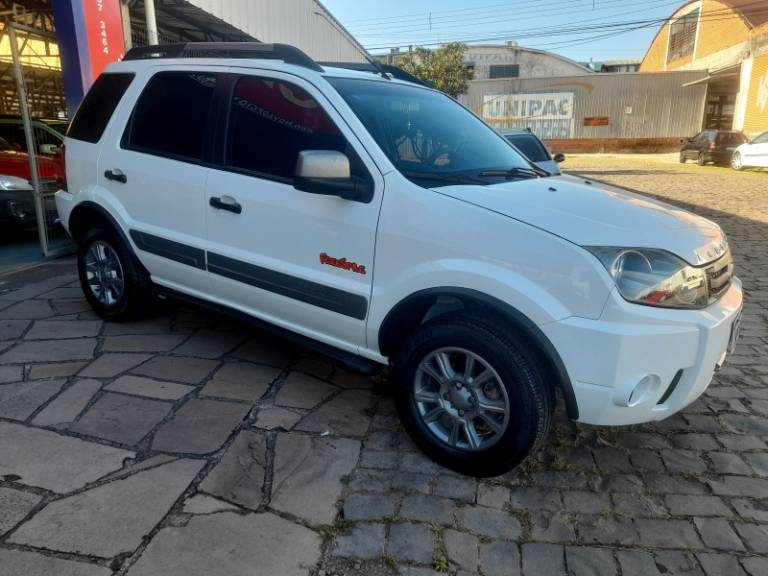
(431, 139)
(529, 145)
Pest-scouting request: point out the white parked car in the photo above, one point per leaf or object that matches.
(752, 154)
(384, 224)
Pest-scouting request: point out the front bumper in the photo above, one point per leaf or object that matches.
(607, 359)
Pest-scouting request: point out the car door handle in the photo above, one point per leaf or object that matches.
(116, 175)
(226, 203)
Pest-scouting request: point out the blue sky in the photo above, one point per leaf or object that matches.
(574, 28)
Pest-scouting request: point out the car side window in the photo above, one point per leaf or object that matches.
(761, 139)
(171, 114)
(271, 121)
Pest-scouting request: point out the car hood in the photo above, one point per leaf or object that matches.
(595, 214)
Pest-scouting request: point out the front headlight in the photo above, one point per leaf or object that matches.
(14, 183)
(654, 277)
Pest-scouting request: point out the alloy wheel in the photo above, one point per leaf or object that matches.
(104, 273)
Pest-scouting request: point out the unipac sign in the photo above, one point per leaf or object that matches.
(548, 114)
(90, 36)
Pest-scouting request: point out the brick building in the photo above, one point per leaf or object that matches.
(728, 39)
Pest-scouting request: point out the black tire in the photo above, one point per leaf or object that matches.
(700, 160)
(135, 295)
(682, 158)
(736, 162)
(530, 398)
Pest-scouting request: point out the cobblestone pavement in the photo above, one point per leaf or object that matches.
(187, 444)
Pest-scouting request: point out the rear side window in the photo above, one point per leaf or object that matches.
(98, 105)
(271, 121)
(171, 115)
(530, 146)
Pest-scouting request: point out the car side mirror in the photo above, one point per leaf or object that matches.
(327, 172)
(48, 149)
(559, 157)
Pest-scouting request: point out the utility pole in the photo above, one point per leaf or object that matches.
(149, 16)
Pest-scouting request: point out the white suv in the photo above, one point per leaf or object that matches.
(384, 223)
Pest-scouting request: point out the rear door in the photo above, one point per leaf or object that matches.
(299, 260)
(153, 167)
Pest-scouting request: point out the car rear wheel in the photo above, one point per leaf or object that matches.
(700, 160)
(472, 395)
(113, 284)
(736, 162)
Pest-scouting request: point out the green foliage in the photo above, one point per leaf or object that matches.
(443, 67)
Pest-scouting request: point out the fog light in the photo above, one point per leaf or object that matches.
(637, 390)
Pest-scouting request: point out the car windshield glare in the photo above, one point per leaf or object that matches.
(430, 138)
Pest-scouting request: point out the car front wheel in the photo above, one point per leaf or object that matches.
(113, 284)
(736, 162)
(700, 159)
(472, 395)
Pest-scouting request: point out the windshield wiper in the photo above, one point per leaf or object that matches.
(449, 178)
(516, 172)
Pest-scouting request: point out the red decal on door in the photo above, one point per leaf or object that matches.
(342, 263)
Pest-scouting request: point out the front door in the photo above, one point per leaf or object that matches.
(299, 260)
(756, 154)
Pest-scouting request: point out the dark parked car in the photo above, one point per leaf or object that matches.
(714, 146)
(534, 149)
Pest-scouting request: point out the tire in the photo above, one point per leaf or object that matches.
(700, 160)
(119, 301)
(736, 162)
(682, 158)
(517, 383)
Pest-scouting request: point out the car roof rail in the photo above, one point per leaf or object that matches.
(256, 50)
(392, 71)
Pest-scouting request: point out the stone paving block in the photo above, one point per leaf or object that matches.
(266, 349)
(11, 374)
(303, 391)
(489, 522)
(50, 351)
(255, 545)
(758, 462)
(65, 307)
(210, 343)
(586, 502)
(604, 530)
(199, 426)
(742, 423)
(344, 415)
(56, 370)
(64, 293)
(677, 562)
(725, 463)
(755, 566)
(307, 475)
(456, 487)
(411, 543)
(35, 289)
(112, 518)
(67, 406)
(271, 417)
(683, 461)
(143, 343)
(369, 506)
(667, 534)
(492, 496)
(666, 484)
(543, 559)
(755, 536)
(364, 542)
(49, 460)
(27, 310)
(58, 329)
(123, 419)
(139, 386)
(535, 498)
(585, 561)
(424, 508)
(694, 441)
(371, 480)
(462, 549)
(637, 563)
(687, 505)
(500, 558)
(739, 486)
(177, 369)
(411, 482)
(241, 381)
(14, 506)
(552, 527)
(751, 509)
(638, 505)
(110, 365)
(204, 504)
(12, 329)
(741, 443)
(239, 476)
(18, 401)
(20, 563)
(720, 564)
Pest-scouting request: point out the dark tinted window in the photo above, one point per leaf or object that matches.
(731, 138)
(98, 105)
(504, 71)
(529, 145)
(171, 115)
(271, 122)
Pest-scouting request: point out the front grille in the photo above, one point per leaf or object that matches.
(719, 275)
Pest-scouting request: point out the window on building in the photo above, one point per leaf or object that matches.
(171, 114)
(682, 36)
(504, 71)
(271, 121)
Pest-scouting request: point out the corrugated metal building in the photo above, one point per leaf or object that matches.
(628, 108)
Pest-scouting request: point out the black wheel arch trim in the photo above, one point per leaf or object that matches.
(423, 299)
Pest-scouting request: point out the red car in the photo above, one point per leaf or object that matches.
(16, 163)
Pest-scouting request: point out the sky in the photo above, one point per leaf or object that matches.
(579, 29)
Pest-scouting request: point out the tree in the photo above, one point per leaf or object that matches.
(443, 67)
